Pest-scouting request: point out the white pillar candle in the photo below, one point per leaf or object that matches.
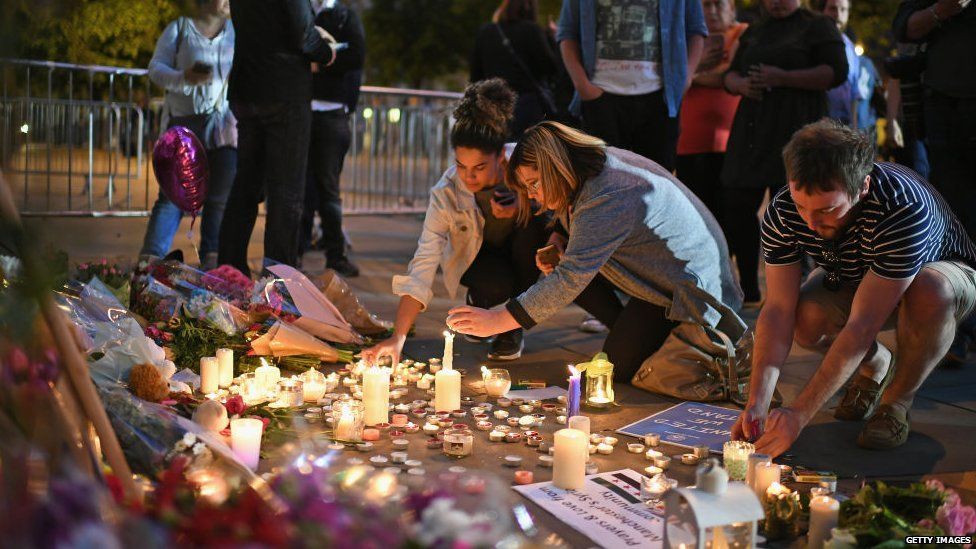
(766, 474)
(447, 390)
(225, 360)
(376, 395)
(209, 375)
(245, 440)
(824, 513)
(267, 377)
(448, 359)
(580, 423)
(569, 459)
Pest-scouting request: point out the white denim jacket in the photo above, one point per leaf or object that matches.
(453, 231)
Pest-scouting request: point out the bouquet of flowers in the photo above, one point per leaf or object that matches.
(291, 297)
(880, 513)
(279, 339)
(113, 275)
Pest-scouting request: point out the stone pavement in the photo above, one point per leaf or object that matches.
(943, 418)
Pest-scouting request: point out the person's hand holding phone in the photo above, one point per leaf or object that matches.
(199, 73)
(504, 204)
(548, 257)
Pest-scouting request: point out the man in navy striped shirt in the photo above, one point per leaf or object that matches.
(889, 254)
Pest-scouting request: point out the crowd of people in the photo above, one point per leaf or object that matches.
(639, 159)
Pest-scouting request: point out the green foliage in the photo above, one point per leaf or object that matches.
(103, 32)
(419, 42)
(880, 513)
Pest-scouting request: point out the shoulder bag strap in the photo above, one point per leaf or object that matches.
(518, 60)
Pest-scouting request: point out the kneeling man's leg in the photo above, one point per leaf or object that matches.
(938, 297)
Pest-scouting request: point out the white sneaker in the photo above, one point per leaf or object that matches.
(591, 325)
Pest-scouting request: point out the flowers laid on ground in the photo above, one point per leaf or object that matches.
(881, 513)
(115, 276)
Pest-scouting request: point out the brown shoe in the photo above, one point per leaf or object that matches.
(862, 396)
(888, 428)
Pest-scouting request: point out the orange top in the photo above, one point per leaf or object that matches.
(707, 113)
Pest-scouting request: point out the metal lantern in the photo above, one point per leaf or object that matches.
(715, 513)
(599, 381)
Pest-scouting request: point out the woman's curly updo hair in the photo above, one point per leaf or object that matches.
(482, 117)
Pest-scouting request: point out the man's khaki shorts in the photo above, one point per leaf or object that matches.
(837, 304)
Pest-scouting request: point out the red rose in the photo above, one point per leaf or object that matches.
(235, 405)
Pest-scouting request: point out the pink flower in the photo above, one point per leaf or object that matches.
(104, 262)
(956, 520)
(235, 405)
(83, 266)
(168, 402)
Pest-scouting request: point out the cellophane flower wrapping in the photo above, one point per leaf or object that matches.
(290, 296)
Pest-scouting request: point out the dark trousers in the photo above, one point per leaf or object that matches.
(637, 329)
(638, 123)
(272, 154)
(500, 273)
(701, 173)
(331, 137)
(950, 132)
(742, 232)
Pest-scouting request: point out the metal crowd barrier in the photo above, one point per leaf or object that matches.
(76, 140)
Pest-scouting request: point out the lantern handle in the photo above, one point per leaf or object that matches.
(601, 356)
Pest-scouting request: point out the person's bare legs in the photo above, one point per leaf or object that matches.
(926, 326)
(815, 332)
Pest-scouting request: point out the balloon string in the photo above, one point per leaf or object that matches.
(193, 242)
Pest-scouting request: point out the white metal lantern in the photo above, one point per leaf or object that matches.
(715, 514)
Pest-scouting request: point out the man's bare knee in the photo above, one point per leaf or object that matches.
(812, 325)
(929, 300)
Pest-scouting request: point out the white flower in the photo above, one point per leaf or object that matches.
(189, 439)
(199, 448)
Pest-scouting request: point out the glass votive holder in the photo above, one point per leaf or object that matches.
(653, 488)
(735, 456)
(251, 390)
(497, 382)
(458, 442)
(290, 392)
(348, 420)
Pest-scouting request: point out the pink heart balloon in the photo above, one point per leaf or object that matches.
(180, 163)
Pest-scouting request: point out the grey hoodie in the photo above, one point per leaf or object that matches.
(648, 235)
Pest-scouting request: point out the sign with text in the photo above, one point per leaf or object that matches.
(608, 509)
(688, 424)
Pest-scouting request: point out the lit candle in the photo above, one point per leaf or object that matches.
(267, 377)
(209, 374)
(735, 456)
(766, 474)
(225, 359)
(824, 511)
(245, 440)
(754, 461)
(376, 394)
(573, 395)
(569, 459)
(345, 428)
(425, 382)
(497, 382)
(448, 350)
(776, 490)
(316, 385)
(447, 389)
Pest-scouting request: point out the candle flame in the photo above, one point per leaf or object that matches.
(484, 370)
(777, 489)
(573, 371)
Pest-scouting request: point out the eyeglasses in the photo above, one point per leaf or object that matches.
(534, 187)
(831, 265)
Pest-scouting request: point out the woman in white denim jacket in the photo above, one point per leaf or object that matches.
(470, 230)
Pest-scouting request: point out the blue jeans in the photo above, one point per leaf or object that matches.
(165, 218)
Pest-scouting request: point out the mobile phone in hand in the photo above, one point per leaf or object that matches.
(504, 198)
(548, 255)
(202, 68)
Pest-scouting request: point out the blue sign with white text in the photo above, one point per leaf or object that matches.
(688, 424)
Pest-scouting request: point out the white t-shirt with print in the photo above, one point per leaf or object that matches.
(628, 47)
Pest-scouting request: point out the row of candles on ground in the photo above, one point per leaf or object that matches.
(763, 476)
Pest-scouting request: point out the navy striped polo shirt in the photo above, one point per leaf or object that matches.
(904, 223)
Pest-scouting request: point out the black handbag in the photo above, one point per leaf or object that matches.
(544, 92)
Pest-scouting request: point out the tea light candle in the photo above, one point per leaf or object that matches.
(513, 437)
(754, 461)
(652, 470)
(416, 471)
(689, 459)
(401, 443)
(512, 461)
(526, 408)
(824, 512)
(635, 448)
(569, 459)
(596, 438)
(336, 446)
(501, 414)
(398, 457)
(651, 454)
(561, 420)
(662, 461)
(245, 440)
(604, 448)
(411, 428)
(431, 428)
(592, 469)
(484, 425)
(425, 382)
(496, 436)
(371, 434)
(267, 377)
(735, 455)
(209, 374)
(523, 477)
(545, 461)
(399, 420)
(225, 366)
(435, 442)
(526, 421)
(612, 441)
(504, 402)
(652, 439)
(379, 460)
(503, 428)
(591, 449)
